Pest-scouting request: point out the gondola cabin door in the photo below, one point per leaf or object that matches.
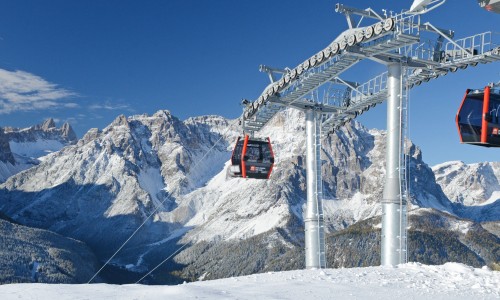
(478, 120)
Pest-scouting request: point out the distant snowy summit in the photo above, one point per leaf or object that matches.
(29, 141)
(22, 148)
(469, 184)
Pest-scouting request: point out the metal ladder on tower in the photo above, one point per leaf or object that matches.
(404, 168)
(319, 192)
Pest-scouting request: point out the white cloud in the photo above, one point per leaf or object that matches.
(23, 91)
(71, 120)
(71, 105)
(109, 106)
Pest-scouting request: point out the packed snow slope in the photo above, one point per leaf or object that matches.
(409, 281)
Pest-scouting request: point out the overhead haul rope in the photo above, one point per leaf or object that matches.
(180, 248)
(175, 252)
(161, 204)
(213, 220)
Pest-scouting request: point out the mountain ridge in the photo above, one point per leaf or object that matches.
(23, 148)
(102, 188)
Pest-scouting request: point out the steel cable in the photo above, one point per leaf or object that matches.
(161, 203)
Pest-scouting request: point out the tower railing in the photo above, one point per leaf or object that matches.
(468, 47)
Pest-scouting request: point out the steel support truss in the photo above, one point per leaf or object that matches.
(425, 51)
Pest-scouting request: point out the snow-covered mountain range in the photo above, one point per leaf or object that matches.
(22, 148)
(168, 177)
(472, 188)
(470, 185)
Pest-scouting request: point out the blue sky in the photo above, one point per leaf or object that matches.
(88, 61)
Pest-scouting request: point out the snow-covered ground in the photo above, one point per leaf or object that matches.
(409, 281)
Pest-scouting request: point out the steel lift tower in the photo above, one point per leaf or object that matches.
(413, 52)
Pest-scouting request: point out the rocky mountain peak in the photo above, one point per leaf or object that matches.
(469, 184)
(91, 135)
(121, 120)
(23, 148)
(165, 114)
(68, 133)
(44, 131)
(48, 124)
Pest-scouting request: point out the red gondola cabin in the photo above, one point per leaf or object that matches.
(478, 120)
(252, 158)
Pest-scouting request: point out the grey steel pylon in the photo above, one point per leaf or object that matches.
(314, 229)
(391, 245)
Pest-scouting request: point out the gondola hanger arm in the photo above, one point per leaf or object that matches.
(422, 6)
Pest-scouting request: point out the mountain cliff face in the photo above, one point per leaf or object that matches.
(168, 177)
(6, 155)
(474, 188)
(22, 148)
(470, 185)
(101, 189)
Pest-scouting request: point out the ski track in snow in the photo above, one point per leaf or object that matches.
(410, 281)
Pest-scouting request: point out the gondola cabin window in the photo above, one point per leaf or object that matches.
(252, 158)
(470, 117)
(478, 118)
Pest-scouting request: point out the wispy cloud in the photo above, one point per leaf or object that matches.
(110, 106)
(71, 105)
(23, 91)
